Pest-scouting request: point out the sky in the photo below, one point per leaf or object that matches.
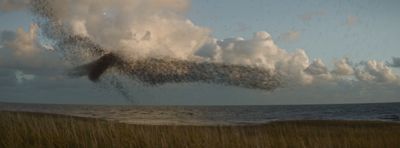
(342, 51)
(326, 29)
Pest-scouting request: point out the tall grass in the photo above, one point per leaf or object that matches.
(45, 130)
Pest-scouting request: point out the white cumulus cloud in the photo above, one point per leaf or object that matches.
(342, 67)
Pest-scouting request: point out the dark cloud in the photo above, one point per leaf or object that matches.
(7, 36)
(395, 62)
(7, 77)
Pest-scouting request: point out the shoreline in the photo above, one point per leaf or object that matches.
(27, 129)
(200, 124)
(188, 105)
(241, 124)
(214, 115)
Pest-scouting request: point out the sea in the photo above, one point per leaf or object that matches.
(216, 115)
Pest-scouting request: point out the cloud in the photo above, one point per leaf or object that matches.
(135, 29)
(158, 28)
(123, 26)
(22, 50)
(7, 36)
(259, 51)
(395, 62)
(12, 5)
(23, 58)
(317, 68)
(343, 67)
(290, 36)
(167, 33)
(376, 72)
(21, 77)
(25, 44)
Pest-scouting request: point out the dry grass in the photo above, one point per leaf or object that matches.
(44, 130)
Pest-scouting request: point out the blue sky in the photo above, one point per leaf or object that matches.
(358, 29)
(374, 34)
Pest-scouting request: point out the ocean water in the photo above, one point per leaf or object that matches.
(217, 115)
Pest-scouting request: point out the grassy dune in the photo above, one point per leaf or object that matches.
(44, 130)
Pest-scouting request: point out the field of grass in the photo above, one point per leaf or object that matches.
(43, 130)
